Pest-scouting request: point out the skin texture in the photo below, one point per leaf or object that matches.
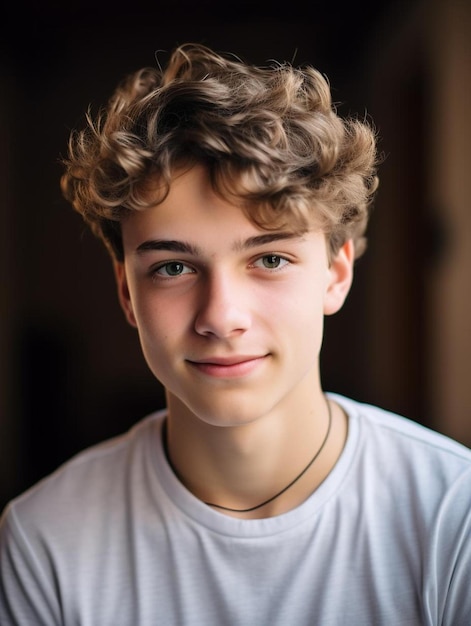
(230, 320)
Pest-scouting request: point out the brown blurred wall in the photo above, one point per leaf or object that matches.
(419, 284)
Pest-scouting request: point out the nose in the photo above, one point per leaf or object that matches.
(223, 309)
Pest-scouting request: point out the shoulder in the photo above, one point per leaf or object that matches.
(383, 428)
(413, 464)
(411, 488)
(87, 481)
(407, 469)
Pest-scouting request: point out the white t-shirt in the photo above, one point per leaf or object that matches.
(112, 538)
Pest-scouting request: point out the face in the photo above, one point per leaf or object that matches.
(230, 317)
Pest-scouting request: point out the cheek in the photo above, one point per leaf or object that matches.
(298, 318)
(303, 340)
(304, 299)
(155, 325)
(156, 322)
(309, 328)
(156, 338)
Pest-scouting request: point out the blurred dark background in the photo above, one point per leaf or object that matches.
(71, 370)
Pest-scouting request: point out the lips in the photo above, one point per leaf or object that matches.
(228, 367)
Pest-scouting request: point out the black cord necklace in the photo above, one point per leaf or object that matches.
(259, 506)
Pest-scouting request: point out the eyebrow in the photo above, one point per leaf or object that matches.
(173, 245)
(260, 240)
(170, 245)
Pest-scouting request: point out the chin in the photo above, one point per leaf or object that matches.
(226, 411)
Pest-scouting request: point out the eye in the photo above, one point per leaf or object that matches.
(271, 262)
(172, 269)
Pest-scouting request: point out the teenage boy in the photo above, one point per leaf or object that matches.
(234, 200)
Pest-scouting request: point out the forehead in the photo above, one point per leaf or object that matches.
(191, 199)
(191, 210)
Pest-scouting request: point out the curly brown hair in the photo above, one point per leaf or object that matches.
(270, 137)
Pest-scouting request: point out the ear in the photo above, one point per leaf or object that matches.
(123, 292)
(340, 278)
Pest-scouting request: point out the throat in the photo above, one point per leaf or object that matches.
(267, 485)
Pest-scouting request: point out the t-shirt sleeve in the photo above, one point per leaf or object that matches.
(449, 571)
(26, 593)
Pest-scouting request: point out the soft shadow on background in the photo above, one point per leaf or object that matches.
(71, 370)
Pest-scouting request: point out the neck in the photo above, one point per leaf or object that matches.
(240, 467)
